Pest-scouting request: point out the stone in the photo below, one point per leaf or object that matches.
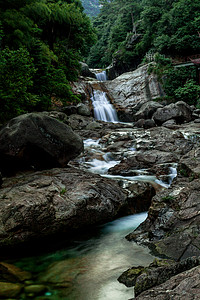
(37, 141)
(10, 290)
(83, 110)
(149, 123)
(36, 289)
(172, 226)
(169, 123)
(85, 71)
(185, 285)
(180, 111)
(12, 273)
(147, 110)
(133, 88)
(53, 203)
(143, 278)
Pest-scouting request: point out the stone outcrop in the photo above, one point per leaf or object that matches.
(158, 272)
(182, 286)
(179, 111)
(147, 110)
(37, 141)
(130, 90)
(172, 226)
(57, 201)
(85, 71)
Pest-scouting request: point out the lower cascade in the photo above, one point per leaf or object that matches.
(103, 109)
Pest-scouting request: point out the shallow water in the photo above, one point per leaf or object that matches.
(91, 266)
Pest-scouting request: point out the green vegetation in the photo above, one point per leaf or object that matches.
(41, 43)
(133, 31)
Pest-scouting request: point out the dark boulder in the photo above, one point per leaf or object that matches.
(38, 141)
(85, 71)
(147, 110)
(55, 203)
(180, 111)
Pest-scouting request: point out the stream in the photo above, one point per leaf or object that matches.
(88, 267)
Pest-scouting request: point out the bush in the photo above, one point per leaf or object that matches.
(190, 92)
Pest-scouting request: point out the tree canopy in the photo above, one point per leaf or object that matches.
(41, 42)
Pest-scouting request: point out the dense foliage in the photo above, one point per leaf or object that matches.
(41, 44)
(128, 29)
(133, 31)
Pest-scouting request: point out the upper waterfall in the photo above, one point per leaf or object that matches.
(101, 76)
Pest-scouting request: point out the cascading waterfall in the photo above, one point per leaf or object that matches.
(101, 76)
(103, 109)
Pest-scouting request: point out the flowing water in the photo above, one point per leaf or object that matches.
(101, 76)
(103, 109)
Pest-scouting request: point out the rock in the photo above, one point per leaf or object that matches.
(55, 202)
(78, 122)
(189, 165)
(149, 123)
(182, 286)
(147, 110)
(10, 290)
(1, 179)
(139, 123)
(132, 88)
(169, 123)
(143, 278)
(94, 126)
(172, 226)
(83, 110)
(37, 141)
(36, 289)
(180, 111)
(69, 110)
(85, 71)
(197, 120)
(12, 273)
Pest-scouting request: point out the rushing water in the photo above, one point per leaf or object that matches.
(101, 76)
(103, 109)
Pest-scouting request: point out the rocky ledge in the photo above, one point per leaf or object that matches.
(39, 205)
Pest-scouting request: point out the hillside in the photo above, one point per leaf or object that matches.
(91, 7)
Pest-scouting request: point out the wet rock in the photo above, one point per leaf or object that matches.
(180, 111)
(36, 289)
(169, 124)
(10, 290)
(85, 71)
(189, 165)
(149, 123)
(147, 110)
(182, 286)
(172, 226)
(143, 278)
(37, 141)
(132, 88)
(53, 202)
(12, 273)
(139, 123)
(78, 122)
(94, 126)
(83, 110)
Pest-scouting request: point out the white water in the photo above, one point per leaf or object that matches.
(101, 76)
(103, 109)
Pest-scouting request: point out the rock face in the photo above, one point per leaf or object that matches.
(185, 285)
(172, 226)
(147, 110)
(132, 89)
(143, 278)
(180, 111)
(39, 205)
(38, 141)
(85, 71)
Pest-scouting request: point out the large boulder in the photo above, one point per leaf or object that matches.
(130, 90)
(180, 111)
(39, 141)
(147, 110)
(85, 71)
(182, 286)
(53, 202)
(172, 227)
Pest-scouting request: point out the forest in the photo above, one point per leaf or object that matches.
(42, 42)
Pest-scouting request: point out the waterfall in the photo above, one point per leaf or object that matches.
(103, 109)
(101, 76)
